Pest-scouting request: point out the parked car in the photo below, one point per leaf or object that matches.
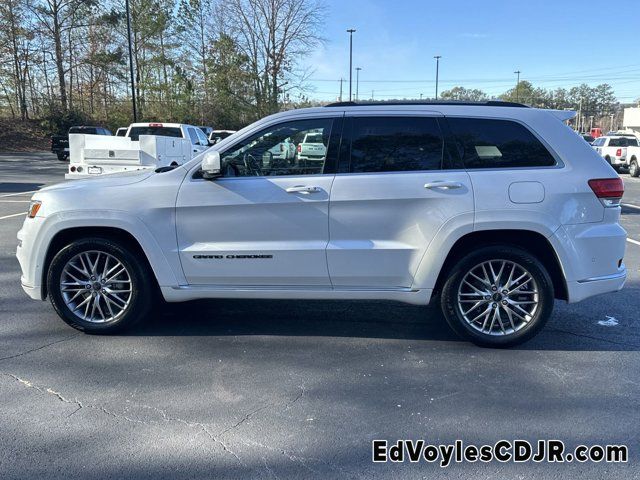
(198, 139)
(596, 132)
(495, 218)
(311, 149)
(588, 138)
(60, 143)
(617, 150)
(217, 135)
(145, 146)
(122, 132)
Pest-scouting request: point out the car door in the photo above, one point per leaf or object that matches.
(195, 141)
(265, 222)
(390, 198)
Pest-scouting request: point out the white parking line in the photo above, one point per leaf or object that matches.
(631, 240)
(15, 201)
(630, 205)
(14, 215)
(17, 193)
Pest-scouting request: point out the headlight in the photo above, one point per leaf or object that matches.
(34, 207)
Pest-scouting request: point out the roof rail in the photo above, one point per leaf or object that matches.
(488, 103)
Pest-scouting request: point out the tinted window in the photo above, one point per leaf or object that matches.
(498, 144)
(279, 150)
(395, 144)
(623, 142)
(162, 131)
(85, 130)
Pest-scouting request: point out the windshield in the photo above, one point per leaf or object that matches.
(162, 131)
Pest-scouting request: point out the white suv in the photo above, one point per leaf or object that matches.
(494, 209)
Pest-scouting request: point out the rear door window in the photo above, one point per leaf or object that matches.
(491, 143)
(395, 144)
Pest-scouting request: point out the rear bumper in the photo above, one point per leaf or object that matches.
(579, 290)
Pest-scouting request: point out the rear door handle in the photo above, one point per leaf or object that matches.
(445, 185)
(303, 189)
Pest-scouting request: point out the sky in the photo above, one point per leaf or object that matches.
(559, 43)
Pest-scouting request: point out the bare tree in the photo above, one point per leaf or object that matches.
(273, 34)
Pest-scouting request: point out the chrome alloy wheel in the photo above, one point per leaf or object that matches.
(498, 297)
(96, 286)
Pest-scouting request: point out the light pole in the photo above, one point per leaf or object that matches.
(133, 88)
(437, 57)
(357, 81)
(350, 32)
(518, 72)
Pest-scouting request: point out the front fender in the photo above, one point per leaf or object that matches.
(166, 270)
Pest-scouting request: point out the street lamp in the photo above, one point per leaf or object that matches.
(437, 57)
(518, 72)
(350, 32)
(357, 81)
(133, 88)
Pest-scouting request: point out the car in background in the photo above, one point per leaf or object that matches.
(217, 135)
(60, 143)
(122, 132)
(615, 149)
(199, 140)
(311, 149)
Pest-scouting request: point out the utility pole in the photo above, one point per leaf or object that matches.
(371, 94)
(420, 96)
(357, 81)
(518, 72)
(350, 32)
(437, 57)
(340, 97)
(133, 87)
(612, 115)
(579, 127)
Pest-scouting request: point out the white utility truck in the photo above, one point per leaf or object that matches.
(146, 146)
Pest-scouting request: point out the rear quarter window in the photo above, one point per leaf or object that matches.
(491, 143)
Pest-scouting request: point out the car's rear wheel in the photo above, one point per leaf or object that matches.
(498, 296)
(634, 171)
(96, 285)
(62, 157)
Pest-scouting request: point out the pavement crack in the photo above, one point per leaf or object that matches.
(40, 347)
(62, 398)
(245, 418)
(591, 337)
(298, 397)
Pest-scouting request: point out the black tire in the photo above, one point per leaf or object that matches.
(63, 157)
(634, 170)
(142, 289)
(452, 310)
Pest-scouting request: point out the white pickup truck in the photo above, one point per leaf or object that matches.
(145, 146)
(621, 151)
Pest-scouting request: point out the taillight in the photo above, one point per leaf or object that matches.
(619, 152)
(299, 148)
(155, 125)
(608, 190)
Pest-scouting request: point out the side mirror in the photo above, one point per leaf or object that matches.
(210, 166)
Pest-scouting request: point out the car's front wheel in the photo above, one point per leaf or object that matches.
(497, 296)
(96, 285)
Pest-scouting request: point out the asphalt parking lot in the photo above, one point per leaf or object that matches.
(282, 389)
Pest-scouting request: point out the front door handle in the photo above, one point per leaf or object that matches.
(303, 189)
(445, 185)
